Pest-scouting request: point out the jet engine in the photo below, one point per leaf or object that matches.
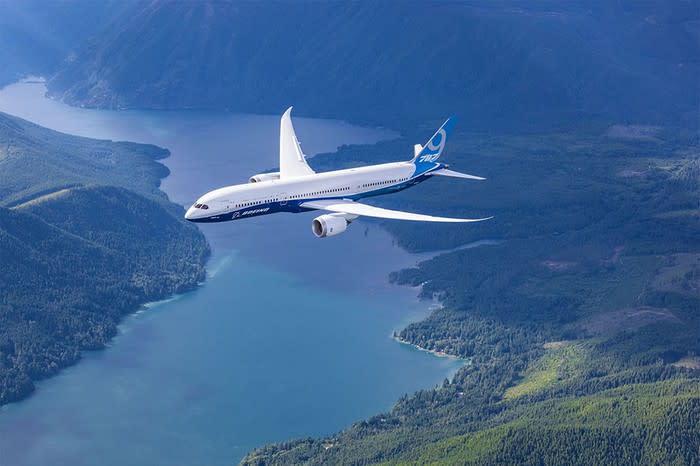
(264, 177)
(329, 225)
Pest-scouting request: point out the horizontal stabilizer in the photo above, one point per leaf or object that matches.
(454, 174)
(355, 208)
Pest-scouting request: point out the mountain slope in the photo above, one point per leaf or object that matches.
(36, 36)
(36, 161)
(491, 62)
(78, 255)
(647, 423)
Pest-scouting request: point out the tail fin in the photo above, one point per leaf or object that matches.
(426, 155)
(432, 149)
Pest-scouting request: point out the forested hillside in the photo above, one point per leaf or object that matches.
(77, 255)
(38, 161)
(37, 36)
(506, 63)
(580, 320)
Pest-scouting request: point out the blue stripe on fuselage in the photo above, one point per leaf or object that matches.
(294, 205)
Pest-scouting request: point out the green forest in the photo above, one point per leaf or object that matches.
(577, 316)
(503, 63)
(86, 237)
(579, 319)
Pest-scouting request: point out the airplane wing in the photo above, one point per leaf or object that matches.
(292, 161)
(454, 174)
(354, 208)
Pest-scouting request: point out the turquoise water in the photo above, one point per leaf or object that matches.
(289, 336)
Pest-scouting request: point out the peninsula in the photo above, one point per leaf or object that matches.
(86, 237)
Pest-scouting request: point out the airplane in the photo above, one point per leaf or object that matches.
(297, 188)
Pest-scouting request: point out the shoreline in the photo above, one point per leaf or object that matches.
(210, 272)
(124, 313)
(435, 304)
(220, 259)
(439, 354)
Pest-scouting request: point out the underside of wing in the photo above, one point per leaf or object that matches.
(355, 208)
(292, 161)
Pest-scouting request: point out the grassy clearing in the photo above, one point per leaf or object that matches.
(560, 362)
(44, 198)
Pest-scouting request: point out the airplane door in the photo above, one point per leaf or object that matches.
(283, 198)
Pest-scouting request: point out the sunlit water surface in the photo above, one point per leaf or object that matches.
(290, 336)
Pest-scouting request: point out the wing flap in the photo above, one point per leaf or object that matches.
(355, 208)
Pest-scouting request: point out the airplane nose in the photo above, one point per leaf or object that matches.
(189, 215)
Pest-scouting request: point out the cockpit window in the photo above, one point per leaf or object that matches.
(197, 206)
(204, 206)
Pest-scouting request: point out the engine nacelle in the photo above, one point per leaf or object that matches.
(264, 177)
(329, 225)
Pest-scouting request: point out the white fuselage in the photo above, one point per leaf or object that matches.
(286, 195)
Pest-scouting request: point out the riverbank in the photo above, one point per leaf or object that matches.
(439, 354)
(75, 264)
(234, 365)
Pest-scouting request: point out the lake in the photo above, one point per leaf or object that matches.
(290, 335)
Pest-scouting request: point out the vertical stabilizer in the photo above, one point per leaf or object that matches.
(292, 161)
(426, 158)
(432, 149)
